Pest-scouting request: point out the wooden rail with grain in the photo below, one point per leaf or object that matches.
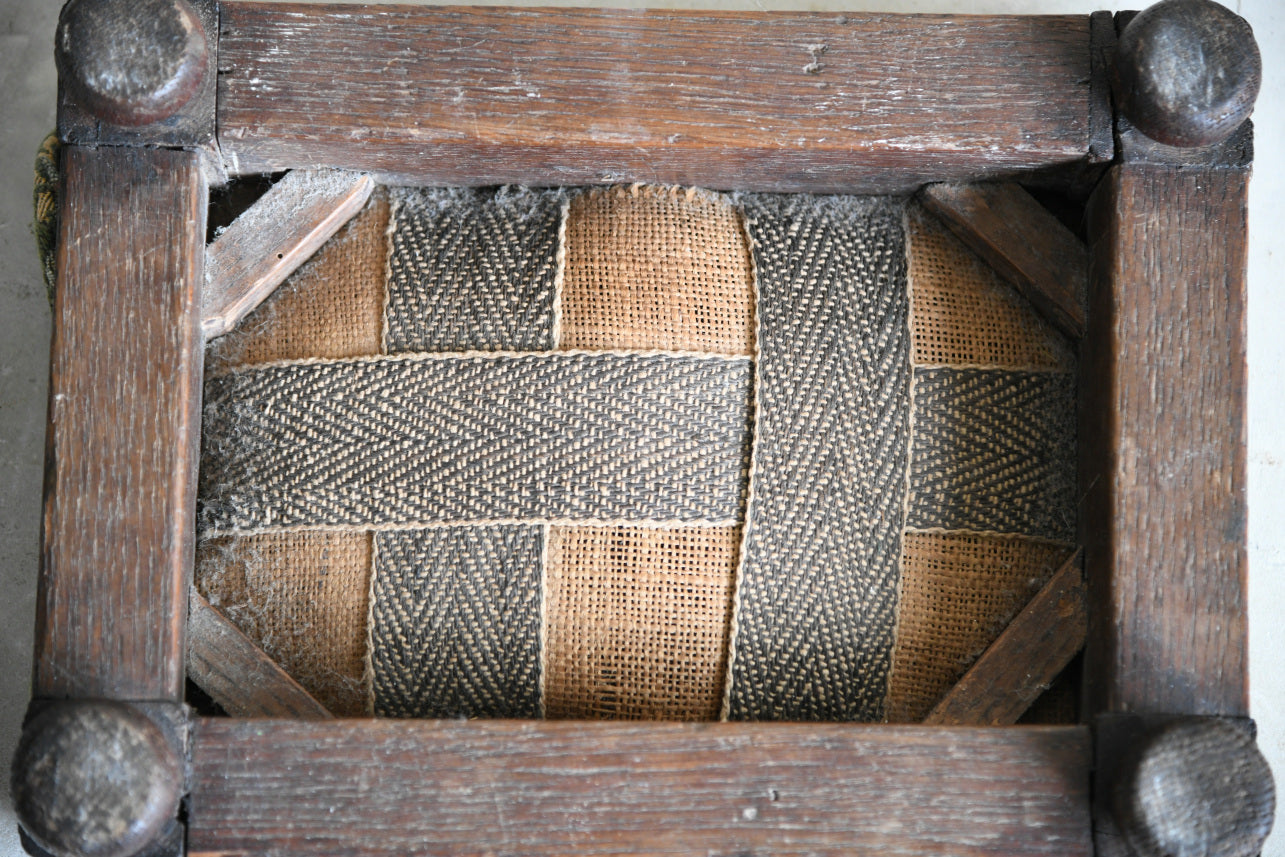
(773, 101)
(297, 789)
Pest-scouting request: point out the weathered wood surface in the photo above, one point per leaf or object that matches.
(562, 788)
(1023, 242)
(1195, 785)
(1187, 72)
(124, 423)
(1031, 652)
(1102, 38)
(97, 778)
(270, 240)
(237, 674)
(1163, 438)
(751, 101)
(135, 87)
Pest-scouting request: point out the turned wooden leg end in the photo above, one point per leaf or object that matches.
(1194, 787)
(97, 779)
(1187, 72)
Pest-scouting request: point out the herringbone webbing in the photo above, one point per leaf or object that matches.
(816, 598)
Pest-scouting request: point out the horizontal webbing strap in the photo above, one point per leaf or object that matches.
(403, 442)
(994, 451)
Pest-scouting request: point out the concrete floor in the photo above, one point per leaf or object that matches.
(27, 90)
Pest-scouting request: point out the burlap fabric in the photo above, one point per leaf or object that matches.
(546, 441)
(638, 621)
(302, 597)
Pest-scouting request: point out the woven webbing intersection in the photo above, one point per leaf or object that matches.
(816, 599)
(636, 452)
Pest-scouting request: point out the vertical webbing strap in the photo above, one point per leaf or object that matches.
(816, 597)
(455, 611)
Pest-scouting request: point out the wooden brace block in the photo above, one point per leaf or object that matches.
(272, 239)
(1017, 668)
(1023, 242)
(237, 674)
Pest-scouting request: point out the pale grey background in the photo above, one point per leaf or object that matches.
(27, 86)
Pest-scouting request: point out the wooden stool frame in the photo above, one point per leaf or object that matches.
(860, 103)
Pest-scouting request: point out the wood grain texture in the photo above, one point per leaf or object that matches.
(750, 101)
(1102, 38)
(124, 423)
(1023, 242)
(561, 788)
(1197, 786)
(1022, 662)
(270, 240)
(237, 674)
(1163, 439)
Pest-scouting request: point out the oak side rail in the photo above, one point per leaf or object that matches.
(368, 788)
(762, 101)
(1163, 437)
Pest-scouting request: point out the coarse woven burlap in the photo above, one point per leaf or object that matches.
(448, 439)
(637, 621)
(455, 622)
(994, 451)
(958, 592)
(964, 314)
(656, 268)
(332, 307)
(302, 597)
(473, 270)
(817, 594)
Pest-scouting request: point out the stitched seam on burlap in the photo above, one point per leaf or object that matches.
(368, 664)
(543, 654)
(989, 367)
(560, 275)
(642, 523)
(394, 206)
(910, 457)
(411, 356)
(816, 597)
(964, 531)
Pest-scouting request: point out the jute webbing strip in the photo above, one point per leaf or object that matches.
(332, 307)
(656, 268)
(473, 270)
(959, 591)
(302, 597)
(455, 622)
(994, 451)
(638, 621)
(816, 597)
(962, 312)
(435, 439)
